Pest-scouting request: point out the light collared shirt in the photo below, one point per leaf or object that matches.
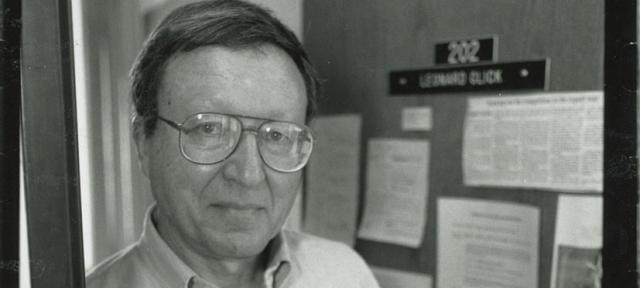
(295, 260)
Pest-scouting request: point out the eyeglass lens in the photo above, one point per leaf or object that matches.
(211, 138)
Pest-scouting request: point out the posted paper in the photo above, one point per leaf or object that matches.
(487, 244)
(392, 278)
(550, 141)
(333, 178)
(417, 118)
(396, 192)
(577, 244)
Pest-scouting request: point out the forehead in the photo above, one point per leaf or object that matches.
(260, 82)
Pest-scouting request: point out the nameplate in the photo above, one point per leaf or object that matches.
(529, 75)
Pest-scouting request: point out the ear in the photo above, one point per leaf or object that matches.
(142, 143)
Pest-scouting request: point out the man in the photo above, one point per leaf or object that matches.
(222, 92)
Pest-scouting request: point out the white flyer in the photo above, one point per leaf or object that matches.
(548, 140)
(396, 191)
(333, 178)
(487, 244)
(417, 118)
(578, 241)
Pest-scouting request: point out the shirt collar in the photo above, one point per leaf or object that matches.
(168, 267)
(279, 263)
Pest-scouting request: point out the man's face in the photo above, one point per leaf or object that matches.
(233, 208)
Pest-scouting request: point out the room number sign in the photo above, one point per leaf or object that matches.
(467, 51)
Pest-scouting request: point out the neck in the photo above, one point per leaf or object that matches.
(224, 272)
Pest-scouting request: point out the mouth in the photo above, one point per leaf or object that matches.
(236, 206)
(237, 210)
(237, 217)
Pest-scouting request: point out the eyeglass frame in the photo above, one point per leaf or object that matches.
(179, 127)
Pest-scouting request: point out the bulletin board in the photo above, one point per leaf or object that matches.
(355, 44)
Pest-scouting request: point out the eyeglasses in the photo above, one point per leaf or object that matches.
(209, 138)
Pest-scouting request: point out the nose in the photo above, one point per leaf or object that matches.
(245, 165)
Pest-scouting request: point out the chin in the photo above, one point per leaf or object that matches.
(239, 244)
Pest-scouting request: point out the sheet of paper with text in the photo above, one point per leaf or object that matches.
(549, 140)
(487, 244)
(333, 178)
(419, 118)
(577, 242)
(396, 192)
